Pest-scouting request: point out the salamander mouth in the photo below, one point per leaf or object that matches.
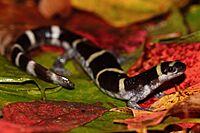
(175, 75)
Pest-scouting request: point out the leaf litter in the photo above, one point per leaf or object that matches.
(153, 54)
(182, 111)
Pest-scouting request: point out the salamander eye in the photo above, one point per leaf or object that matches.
(172, 69)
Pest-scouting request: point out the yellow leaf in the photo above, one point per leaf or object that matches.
(168, 101)
(124, 12)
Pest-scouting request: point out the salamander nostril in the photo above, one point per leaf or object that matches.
(182, 67)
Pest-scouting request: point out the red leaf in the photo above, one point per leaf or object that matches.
(8, 127)
(187, 125)
(187, 53)
(51, 116)
(125, 39)
(196, 128)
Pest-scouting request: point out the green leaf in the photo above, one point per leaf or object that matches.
(85, 91)
(104, 124)
(12, 74)
(174, 24)
(22, 86)
(193, 18)
(190, 38)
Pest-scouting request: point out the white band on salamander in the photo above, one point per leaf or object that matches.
(31, 37)
(94, 56)
(31, 68)
(122, 86)
(55, 34)
(158, 70)
(76, 42)
(17, 46)
(107, 69)
(17, 58)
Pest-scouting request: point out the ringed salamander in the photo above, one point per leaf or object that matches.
(100, 65)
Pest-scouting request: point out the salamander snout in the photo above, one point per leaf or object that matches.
(181, 67)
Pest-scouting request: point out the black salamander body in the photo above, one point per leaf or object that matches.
(99, 64)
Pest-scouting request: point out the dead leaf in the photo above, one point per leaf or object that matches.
(196, 129)
(186, 109)
(168, 101)
(143, 119)
(122, 109)
(189, 108)
(19, 14)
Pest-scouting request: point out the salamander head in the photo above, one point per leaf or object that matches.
(169, 70)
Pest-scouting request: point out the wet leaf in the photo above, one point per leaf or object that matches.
(51, 116)
(122, 13)
(20, 85)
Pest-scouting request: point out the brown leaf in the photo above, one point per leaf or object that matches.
(143, 119)
(22, 15)
(195, 129)
(188, 108)
(51, 116)
(49, 8)
(168, 101)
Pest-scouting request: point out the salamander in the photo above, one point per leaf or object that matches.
(101, 66)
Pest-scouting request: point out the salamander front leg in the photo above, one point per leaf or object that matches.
(133, 104)
(58, 66)
(159, 94)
